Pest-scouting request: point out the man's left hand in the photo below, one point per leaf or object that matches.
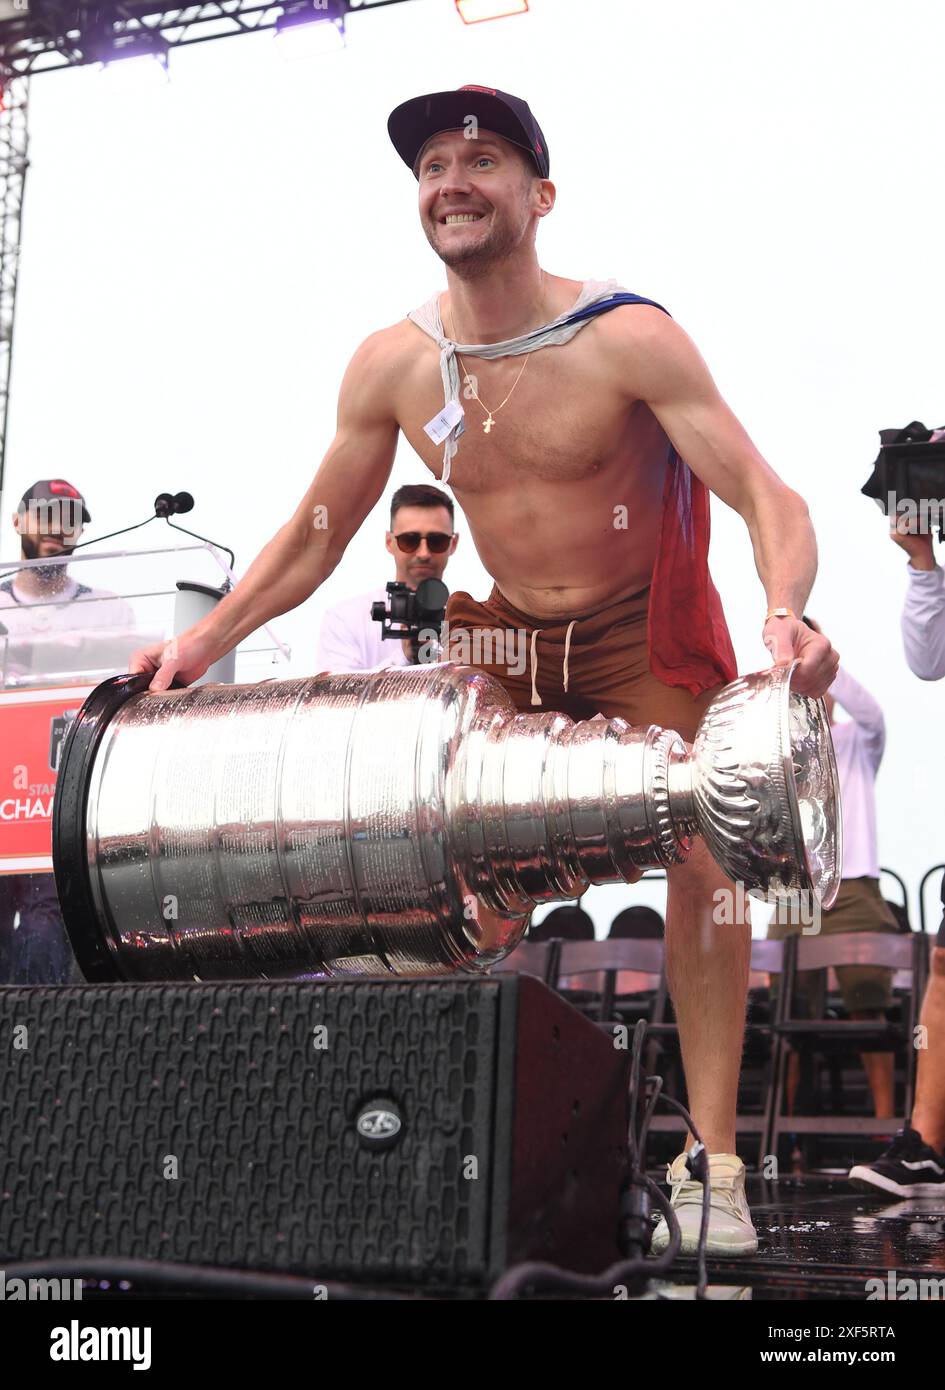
(789, 638)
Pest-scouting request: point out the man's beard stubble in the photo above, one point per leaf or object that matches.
(472, 262)
(46, 574)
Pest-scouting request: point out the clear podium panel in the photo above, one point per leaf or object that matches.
(67, 623)
(80, 617)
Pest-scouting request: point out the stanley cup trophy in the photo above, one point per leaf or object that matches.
(406, 821)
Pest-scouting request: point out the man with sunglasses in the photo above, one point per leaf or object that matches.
(421, 539)
(584, 473)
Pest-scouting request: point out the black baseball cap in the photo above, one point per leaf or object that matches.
(54, 490)
(412, 124)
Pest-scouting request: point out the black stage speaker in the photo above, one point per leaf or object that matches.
(422, 1133)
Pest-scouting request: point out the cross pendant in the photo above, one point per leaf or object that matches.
(487, 424)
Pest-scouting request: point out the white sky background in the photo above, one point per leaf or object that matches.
(200, 261)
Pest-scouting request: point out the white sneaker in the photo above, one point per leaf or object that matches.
(730, 1232)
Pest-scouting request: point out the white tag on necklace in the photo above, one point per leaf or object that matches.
(445, 420)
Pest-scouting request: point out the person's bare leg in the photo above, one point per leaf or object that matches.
(879, 1071)
(928, 1113)
(707, 971)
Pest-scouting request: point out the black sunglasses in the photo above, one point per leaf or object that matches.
(438, 542)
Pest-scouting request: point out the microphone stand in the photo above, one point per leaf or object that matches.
(163, 516)
(157, 516)
(164, 503)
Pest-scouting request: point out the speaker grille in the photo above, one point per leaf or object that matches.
(117, 1082)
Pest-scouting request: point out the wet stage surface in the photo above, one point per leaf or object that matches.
(819, 1237)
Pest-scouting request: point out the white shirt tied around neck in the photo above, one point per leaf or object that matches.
(550, 334)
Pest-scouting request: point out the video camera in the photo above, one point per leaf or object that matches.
(418, 613)
(908, 478)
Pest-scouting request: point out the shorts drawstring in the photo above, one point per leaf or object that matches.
(536, 698)
(567, 647)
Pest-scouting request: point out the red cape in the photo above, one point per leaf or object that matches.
(687, 635)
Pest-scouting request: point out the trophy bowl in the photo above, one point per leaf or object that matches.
(765, 787)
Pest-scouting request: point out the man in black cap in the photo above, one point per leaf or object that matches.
(49, 522)
(41, 603)
(45, 615)
(584, 474)
(34, 948)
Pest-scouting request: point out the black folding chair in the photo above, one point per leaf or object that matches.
(617, 966)
(900, 910)
(903, 953)
(763, 1046)
(538, 958)
(926, 879)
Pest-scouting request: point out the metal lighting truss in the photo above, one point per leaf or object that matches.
(42, 35)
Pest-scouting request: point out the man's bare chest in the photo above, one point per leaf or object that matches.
(559, 417)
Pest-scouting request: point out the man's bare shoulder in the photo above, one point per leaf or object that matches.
(640, 324)
(396, 336)
(388, 345)
(376, 369)
(645, 347)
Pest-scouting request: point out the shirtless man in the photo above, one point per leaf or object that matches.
(563, 493)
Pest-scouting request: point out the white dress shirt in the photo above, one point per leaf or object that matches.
(923, 623)
(350, 639)
(74, 629)
(859, 744)
(74, 608)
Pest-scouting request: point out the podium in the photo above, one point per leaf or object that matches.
(66, 624)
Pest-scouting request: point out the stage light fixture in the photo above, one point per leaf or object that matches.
(307, 27)
(475, 11)
(138, 55)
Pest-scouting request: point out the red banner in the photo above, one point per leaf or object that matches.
(33, 726)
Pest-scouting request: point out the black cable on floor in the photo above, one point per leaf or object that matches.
(537, 1277)
(164, 1275)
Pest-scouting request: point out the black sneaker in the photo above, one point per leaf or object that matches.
(908, 1168)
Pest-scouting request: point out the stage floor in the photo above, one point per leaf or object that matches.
(820, 1238)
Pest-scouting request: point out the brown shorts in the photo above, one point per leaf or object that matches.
(859, 907)
(582, 665)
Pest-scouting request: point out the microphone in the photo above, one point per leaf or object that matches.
(184, 502)
(165, 505)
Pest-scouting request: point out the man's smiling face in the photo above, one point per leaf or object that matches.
(477, 197)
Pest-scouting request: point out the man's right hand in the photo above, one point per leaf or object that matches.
(917, 547)
(183, 659)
